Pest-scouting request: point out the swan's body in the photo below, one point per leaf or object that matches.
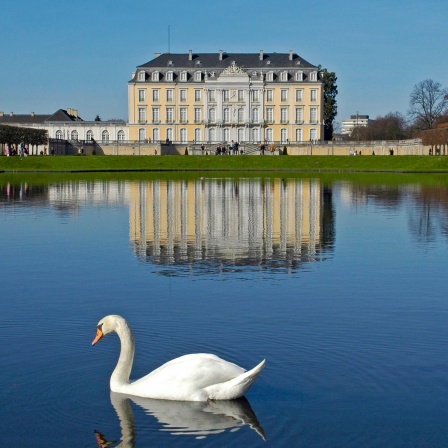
(196, 377)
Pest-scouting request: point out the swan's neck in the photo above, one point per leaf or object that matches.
(120, 375)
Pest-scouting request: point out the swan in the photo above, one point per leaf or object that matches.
(195, 377)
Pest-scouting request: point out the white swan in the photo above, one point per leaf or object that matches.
(196, 377)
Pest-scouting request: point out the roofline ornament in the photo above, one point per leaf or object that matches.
(233, 70)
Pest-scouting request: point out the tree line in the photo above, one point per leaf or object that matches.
(428, 107)
(14, 135)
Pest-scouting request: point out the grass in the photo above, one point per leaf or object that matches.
(349, 164)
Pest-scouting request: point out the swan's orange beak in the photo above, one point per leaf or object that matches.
(99, 335)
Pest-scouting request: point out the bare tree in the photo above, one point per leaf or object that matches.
(427, 102)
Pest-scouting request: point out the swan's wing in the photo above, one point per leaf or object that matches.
(186, 378)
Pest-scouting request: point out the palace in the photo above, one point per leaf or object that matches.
(220, 97)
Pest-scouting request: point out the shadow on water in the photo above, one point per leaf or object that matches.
(195, 419)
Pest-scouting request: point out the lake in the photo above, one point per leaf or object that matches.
(338, 281)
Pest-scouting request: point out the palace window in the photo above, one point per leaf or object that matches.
(255, 95)
(155, 76)
(169, 76)
(283, 95)
(299, 114)
(89, 136)
(212, 95)
(156, 115)
(313, 95)
(155, 95)
(269, 95)
(313, 115)
(169, 95)
(270, 114)
(313, 134)
(156, 134)
(120, 136)
(240, 115)
(197, 95)
(169, 134)
(269, 135)
(299, 135)
(197, 114)
(299, 76)
(240, 95)
(183, 135)
(283, 135)
(226, 95)
(141, 94)
(142, 134)
(283, 115)
(299, 95)
(198, 76)
(183, 76)
(197, 135)
(74, 135)
(270, 76)
(169, 114)
(141, 76)
(142, 115)
(212, 114)
(313, 76)
(105, 136)
(183, 114)
(226, 115)
(284, 76)
(183, 95)
(255, 117)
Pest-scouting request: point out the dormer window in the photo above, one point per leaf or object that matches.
(169, 76)
(183, 76)
(155, 76)
(141, 76)
(299, 76)
(198, 76)
(284, 76)
(313, 76)
(170, 63)
(270, 76)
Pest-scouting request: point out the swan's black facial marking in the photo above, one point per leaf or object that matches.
(100, 327)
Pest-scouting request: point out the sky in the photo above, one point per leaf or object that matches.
(56, 54)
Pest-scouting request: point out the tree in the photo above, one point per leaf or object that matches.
(330, 106)
(97, 118)
(392, 126)
(427, 102)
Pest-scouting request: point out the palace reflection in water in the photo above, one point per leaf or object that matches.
(269, 222)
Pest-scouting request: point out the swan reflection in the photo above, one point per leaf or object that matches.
(198, 419)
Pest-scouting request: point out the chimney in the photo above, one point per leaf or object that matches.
(156, 55)
(32, 114)
(190, 55)
(220, 55)
(261, 55)
(290, 55)
(11, 114)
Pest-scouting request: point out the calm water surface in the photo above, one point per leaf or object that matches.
(340, 285)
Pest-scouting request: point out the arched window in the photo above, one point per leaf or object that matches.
(58, 135)
(120, 136)
(299, 135)
(240, 115)
(269, 135)
(255, 115)
(105, 136)
(142, 134)
(169, 134)
(183, 135)
(255, 135)
(197, 135)
(212, 135)
(89, 135)
(74, 135)
(226, 135)
(313, 134)
(283, 135)
(226, 115)
(212, 115)
(155, 134)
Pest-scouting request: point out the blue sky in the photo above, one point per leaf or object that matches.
(60, 54)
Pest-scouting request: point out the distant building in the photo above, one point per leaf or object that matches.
(68, 125)
(354, 121)
(219, 97)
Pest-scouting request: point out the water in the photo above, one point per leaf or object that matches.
(340, 284)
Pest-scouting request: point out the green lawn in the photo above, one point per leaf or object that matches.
(423, 164)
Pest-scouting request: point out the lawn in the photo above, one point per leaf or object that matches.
(416, 164)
